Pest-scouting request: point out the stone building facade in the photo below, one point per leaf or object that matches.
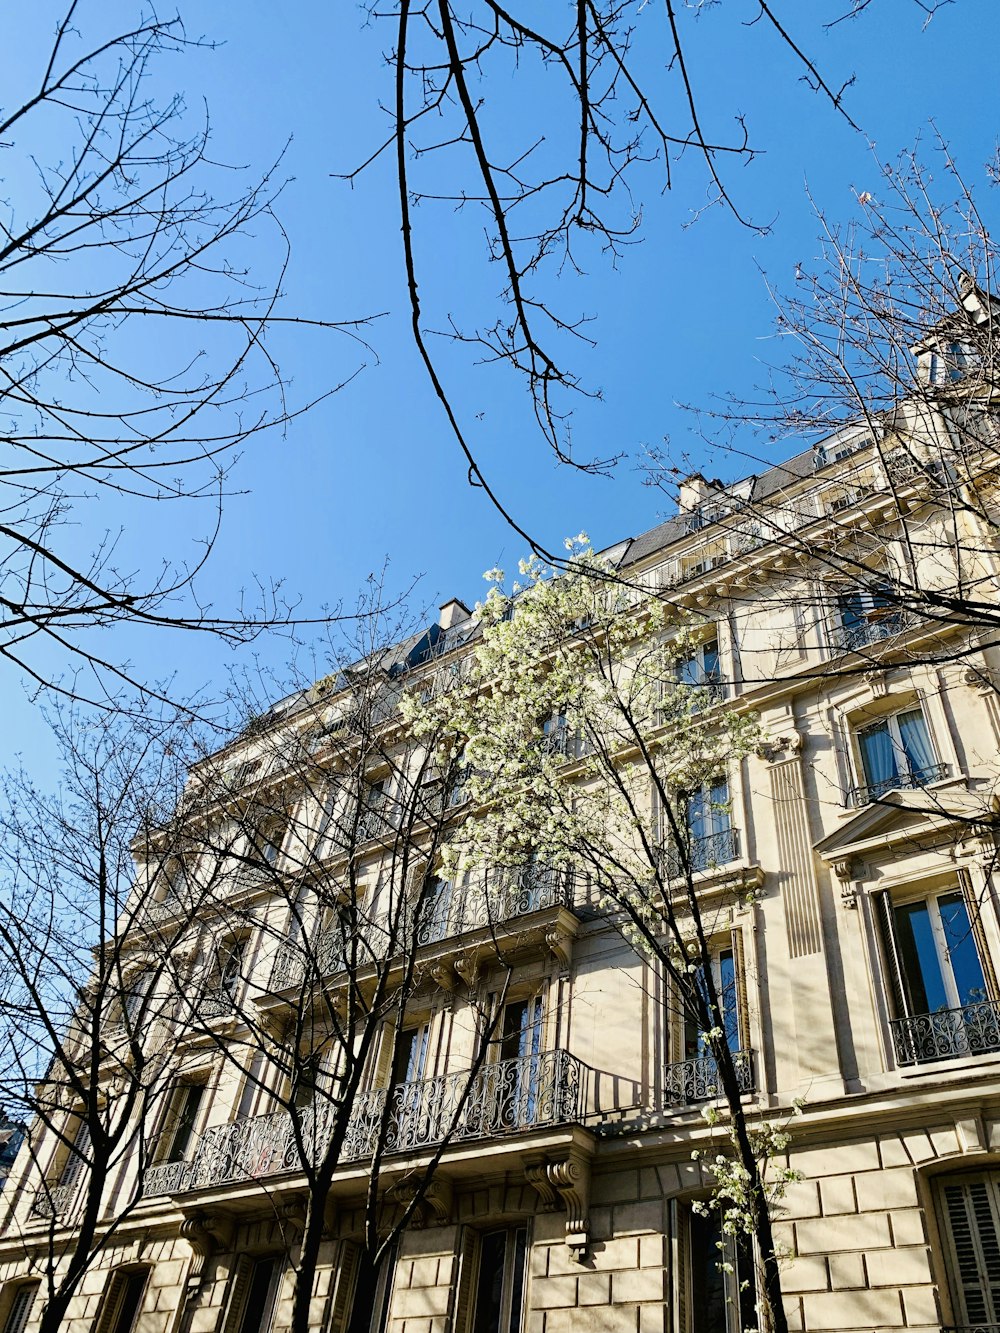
(852, 857)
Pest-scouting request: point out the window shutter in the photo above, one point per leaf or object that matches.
(974, 908)
(75, 1162)
(238, 1288)
(386, 1055)
(17, 1316)
(742, 1005)
(122, 1301)
(973, 1213)
(343, 1295)
(466, 1282)
(890, 952)
(680, 1245)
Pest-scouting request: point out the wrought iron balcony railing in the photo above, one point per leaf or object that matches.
(866, 792)
(865, 633)
(165, 1178)
(215, 1002)
(493, 902)
(697, 1080)
(922, 1038)
(970, 1328)
(707, 853)
(54, 1200)
(503, 1098)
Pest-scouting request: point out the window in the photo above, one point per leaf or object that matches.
(516, 1075)
(491, 1283)
(708, 836)
(713, 1275)
(254, 1295)
(415, 1105)
(182, 1120)
(229, 962)
(122, 1300)
(692, 1075)
(865, 618)
(896, 752)
(934, 952)
(433, 909)
(269, 837)
(373, 820)
(970, 1215)
(702, 669)
(78, 1155)
(134, 993)
(363, 1292)
(19, 1310)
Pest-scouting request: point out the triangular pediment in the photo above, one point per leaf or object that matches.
(903, 816)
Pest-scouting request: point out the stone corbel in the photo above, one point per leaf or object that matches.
(559, 942)
(292, 1215)
(443, 976)
(466, 966)
(272, 1024)
(878, 682)
(435, 1205)
(568, 1181)
(848, 871)
(205, 1233)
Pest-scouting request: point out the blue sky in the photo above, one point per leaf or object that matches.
(372, 473)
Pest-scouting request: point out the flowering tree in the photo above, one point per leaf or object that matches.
(589, 743)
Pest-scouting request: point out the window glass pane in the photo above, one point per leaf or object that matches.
(489, 1286)
(878, 754)
(852, 610)
(520, 1248)
(258, 1311)
(727, 997)
(187, 1115)
(919, 959)
(708, 1283)
(915, 741)
(411, 1054)
(710, 661)
(962, 956)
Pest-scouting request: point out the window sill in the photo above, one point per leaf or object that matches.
(954, 1064)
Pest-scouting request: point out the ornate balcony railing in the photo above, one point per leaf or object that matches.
(866, 792)
(54, 1200)
(502, 1098)
(865, 633)
(494, 901)
(215, 1002)
(697, 1080)
(970, 1328)
(165, 1178)
(498, 898)
(715, 849)
(922, 1038)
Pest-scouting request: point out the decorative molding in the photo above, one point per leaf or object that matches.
(205, 1233)
(799, 890)
(774, 749)
(467, 967)
(435, 1203)
(981, 679)
(567, 1180)
(560, 944)
(443, 976)
(878, 682)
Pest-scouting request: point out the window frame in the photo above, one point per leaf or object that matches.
(906, 776)
(15, 1292)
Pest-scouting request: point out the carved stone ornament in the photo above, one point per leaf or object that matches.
(443, 976)
(878, 682)
(777, 748)
(566, 1181)
(848, 870)
(205, 1233)
(435, 1205)
(980, 678)
(466, 966)
(560, 943)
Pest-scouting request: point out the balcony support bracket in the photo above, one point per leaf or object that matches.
(205, 1233)
(435, 1204)
(565, 1181)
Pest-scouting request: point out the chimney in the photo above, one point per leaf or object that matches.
(453, 613)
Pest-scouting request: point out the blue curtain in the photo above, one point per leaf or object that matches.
(878, 754)
(915, 741)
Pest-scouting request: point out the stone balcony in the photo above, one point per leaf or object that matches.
(500, 1099)
(494, 905)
